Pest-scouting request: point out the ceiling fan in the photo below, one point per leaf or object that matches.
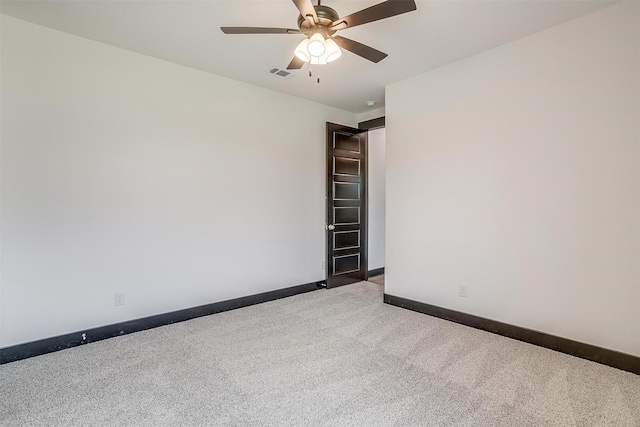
(320, 24)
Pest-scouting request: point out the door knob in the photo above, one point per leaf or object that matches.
(331, 227)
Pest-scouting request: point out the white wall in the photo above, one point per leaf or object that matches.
(124, 173)
(516, 172)
(1, 96)
(376, 198)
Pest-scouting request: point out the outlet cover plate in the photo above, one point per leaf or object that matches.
(118, 298)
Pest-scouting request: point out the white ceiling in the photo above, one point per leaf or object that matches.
(188, 33)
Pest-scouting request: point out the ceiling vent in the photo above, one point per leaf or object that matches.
(279, 72)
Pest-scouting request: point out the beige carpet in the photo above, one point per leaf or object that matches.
(327, 358)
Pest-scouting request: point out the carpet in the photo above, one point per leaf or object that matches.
(336, 357)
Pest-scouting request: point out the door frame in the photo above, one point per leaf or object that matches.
(372, 124)
(365, 126)
(377, 123)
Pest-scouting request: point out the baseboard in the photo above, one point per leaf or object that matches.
(375, 272)
(601, 355)
(49, 345)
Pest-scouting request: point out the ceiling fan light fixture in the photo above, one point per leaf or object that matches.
(316, 46)
(319, 60)
(332, 50)
(319, 23)
(301, 51)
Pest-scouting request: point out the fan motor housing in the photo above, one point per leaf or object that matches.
(326, 16)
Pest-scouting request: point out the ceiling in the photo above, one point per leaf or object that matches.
(188, 33)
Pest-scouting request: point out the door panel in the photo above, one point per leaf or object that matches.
(346, 239)
(346, 205)
(344, 215)
(346, 166)
(346, 191)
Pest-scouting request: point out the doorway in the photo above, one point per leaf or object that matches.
(346, 217)
(355, 218)
(376, 203)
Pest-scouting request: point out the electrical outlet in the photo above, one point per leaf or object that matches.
(462, 291)
(118, 298)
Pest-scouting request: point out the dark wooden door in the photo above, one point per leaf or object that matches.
(346, 205)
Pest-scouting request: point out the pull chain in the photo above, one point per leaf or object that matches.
(318, 70)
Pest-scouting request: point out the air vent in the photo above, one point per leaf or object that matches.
(279, 72)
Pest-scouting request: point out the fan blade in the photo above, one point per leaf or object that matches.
(306, 8)
(258, 30)
(383, 10)
(295, 64)
(367, 52)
